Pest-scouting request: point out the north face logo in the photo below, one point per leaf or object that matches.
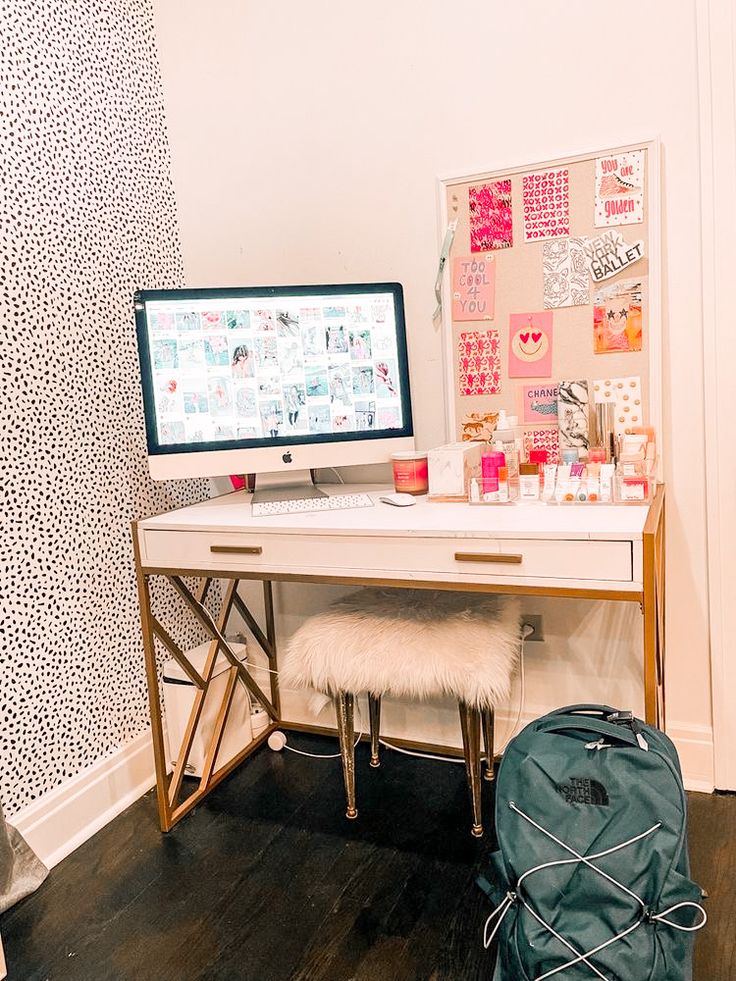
(583, 790)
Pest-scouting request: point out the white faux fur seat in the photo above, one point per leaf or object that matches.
(411, 643)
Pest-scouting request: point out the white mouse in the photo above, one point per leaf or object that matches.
(399, 500)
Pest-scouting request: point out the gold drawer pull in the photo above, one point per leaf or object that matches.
(237, 549)
(488, 557)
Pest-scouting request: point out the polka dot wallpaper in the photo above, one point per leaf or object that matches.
(88, 216)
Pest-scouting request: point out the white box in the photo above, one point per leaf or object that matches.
(179, 695)
(451, 468)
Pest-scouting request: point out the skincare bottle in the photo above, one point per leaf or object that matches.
(508, 439)
(490, 488)
(540, 458)
(490, 461)
(563, 480)
(593, 480)
(607, 471)
(474, 491)
(570, 455)
(576, 472)
(550, 477)
(529, 482)
(503, 484)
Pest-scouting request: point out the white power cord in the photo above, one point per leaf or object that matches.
(277, 742)
(422, 756)
(526, 631)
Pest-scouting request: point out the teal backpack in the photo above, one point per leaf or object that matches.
(591, 878)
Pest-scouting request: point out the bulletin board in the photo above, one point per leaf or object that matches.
(553, 280)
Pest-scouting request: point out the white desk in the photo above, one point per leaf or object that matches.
(595, 552)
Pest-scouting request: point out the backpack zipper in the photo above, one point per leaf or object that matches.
(627, 719)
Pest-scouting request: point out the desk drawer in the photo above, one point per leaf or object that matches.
(471, 559)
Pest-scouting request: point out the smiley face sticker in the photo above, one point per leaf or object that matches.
(530, 345)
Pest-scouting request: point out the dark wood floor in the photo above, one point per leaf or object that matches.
(266, 881)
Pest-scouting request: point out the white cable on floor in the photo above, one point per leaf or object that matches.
(318, 756)
(526, 630)
(422, 756)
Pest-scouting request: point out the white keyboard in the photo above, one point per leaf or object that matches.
(333, 502)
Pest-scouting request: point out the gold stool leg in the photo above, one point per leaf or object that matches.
(374, 711)
(488, 718)
(470, 726)
(344, 704)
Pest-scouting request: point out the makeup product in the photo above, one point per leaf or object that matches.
(490, 461)
(632, 447)
(411, 473)
(529, 482)
(604, 426)
(563, 480)
(571, 493)
(569, 455)
(508, 439)
(550, 479)
(490, 487)
(606, 478)
(577, 470)
(633, 489)
(582, 493)
(474, 491)
(503, 484)
(592, 478)
(487, 470)
(597, 454)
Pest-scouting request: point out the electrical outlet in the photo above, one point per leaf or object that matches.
(534, 620)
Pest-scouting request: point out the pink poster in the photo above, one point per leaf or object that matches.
(543, 439)
(619, 189)
(490, 216)
(540, 403)
(530, 345)
(479, 363)
(473, 287)
(546, 205)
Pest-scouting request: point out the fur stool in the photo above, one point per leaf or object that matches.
(411, 643)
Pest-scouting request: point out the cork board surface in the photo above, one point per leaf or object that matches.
(519, 288)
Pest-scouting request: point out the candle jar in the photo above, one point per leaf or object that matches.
(411, 475)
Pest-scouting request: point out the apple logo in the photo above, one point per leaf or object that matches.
(286, 457)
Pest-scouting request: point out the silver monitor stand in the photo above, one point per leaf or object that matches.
(293, 486)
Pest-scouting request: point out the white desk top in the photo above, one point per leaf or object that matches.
(232, 513)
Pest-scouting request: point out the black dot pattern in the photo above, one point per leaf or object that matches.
(88, 217)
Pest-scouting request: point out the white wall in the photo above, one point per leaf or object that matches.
(306, 139)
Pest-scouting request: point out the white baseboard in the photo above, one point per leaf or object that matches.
(62, 820)
(438, 724)
(695, 749)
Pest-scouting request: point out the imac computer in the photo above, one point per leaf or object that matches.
(274, 381)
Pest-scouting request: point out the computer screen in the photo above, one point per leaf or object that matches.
(271, 367)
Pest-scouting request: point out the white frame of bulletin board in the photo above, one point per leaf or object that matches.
(649, 362)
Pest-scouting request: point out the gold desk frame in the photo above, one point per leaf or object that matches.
(172, 807)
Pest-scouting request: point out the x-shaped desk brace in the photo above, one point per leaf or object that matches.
(170, 805)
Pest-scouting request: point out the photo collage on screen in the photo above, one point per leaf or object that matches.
(259, 369)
